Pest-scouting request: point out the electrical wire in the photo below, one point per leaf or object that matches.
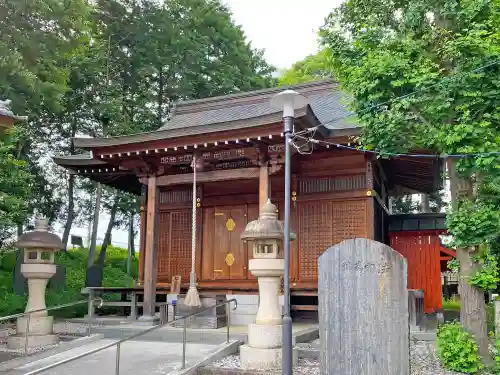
(450, 78)
(311, 140)
(389, 154)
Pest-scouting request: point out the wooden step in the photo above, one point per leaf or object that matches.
(304, 308)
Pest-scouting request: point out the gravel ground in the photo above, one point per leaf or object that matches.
(423, 361)
(305, 366)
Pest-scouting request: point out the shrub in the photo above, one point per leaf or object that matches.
(490, 317)
(75, 262)
(457, 349)
(497, 354)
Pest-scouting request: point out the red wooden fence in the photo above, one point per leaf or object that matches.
(422, 250)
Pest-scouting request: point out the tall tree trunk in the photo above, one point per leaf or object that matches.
(131, 247)
(71, 211)
(71, 191)
(89, 232)
(95, 225)
(472, 302)
(19, 230)
(132, 234)
(160, 97)
(425, 206)
(107, 236)
(391, 205)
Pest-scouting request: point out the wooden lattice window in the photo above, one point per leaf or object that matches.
(315, 235)
(177, 196)
(332, 184)
(349, 220)
(164, 245)
(324, 224)
(180, 243)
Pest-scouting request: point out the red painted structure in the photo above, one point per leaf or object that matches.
(425, 256)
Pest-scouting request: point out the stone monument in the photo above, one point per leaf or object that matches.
(38, 267)
(363, 309)
(264, 348)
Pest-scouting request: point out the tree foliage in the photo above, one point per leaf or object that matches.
(144, 57)
(39, 39)
(312, 68)
(15, 188)
(106, 68)
(412, 71)
(408, 204)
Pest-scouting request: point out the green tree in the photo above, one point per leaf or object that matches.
(144, 56)
(37, 36)
(39, 39)
(407, 204)
(381, 50)
(312, 68)
(15, 188)
(404, 205)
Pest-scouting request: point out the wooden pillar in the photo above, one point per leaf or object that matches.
(142, 231)
(425, 203)
(150, 250)
(263, 185)
(370, 205)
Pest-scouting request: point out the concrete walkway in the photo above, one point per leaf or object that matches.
(171, 334)
(136, 358)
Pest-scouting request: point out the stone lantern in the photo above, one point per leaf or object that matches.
(265, 335)
(38, 267)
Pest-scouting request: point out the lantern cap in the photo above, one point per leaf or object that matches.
(40, 237)
(267, 226)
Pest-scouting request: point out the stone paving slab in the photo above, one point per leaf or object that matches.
(136, 358)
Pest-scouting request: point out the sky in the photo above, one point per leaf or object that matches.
(285, 29)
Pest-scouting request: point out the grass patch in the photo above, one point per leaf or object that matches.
(451, 304)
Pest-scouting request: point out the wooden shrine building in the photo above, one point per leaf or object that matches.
(337, 193)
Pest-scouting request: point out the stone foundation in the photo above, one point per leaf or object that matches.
(39, 325)
(19, 341)
(265, 336)
(212, 318)
(248, 304)
(262, 359)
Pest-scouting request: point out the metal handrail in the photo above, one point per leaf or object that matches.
(27, 313)
(135, 335)
(58, 307)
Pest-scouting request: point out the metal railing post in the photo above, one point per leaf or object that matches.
(26, 334)
(163, 313)
(89, 326)
(184, 339)
(117, 366)
(228, 319)
(90, 311)
(118, 343)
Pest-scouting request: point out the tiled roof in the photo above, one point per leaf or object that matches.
(237, 111)
(326, 102)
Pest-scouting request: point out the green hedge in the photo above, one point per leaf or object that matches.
(75, 262)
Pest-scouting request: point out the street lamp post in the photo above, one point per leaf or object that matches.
(288, 101)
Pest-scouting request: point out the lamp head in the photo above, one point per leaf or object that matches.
(288, 101)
